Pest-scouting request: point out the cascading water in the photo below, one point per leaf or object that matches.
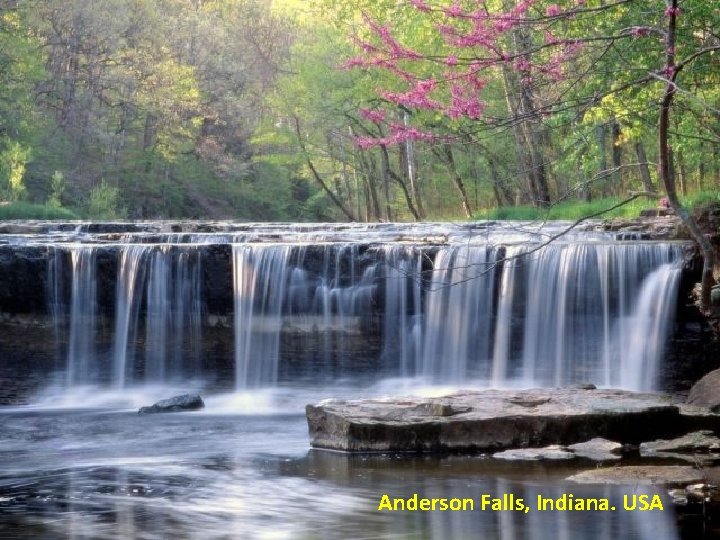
(83, 316)
(260, 281)
(495, 309)
(130, 274)
(458, 320)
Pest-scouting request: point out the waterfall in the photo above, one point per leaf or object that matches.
(129, 286)
(458, 318)
(173, 321)
(83, 316)
(403, 307)
(260, 281)
(498, 311)
(640, 350)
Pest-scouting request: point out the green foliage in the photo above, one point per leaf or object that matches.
(570, 210)
(188, 109)
(24, 210)
(57, 187)
(13, 161)
(104, 203)
(702, 198)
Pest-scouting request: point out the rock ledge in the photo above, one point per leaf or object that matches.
(491, 420)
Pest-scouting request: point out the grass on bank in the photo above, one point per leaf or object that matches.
(574, 210)
(24, 210)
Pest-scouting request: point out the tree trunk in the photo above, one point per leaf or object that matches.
(617, 175)
(317, 176)
(149, 139)
(457, 179)
(391, 174)
(666, 173)
(412, 173)
(372, 196)
(644, 168)
(530, 125)
(683, 173)
(601, 132)
(523, 158)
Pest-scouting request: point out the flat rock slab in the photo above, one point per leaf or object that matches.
(553, 452)
(639, 475)
(597, 449)
(491, 420)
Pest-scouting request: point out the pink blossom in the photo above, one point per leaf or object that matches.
(420, 5)
(365, 142)
(550, 39)
(374, 115)
(451, 60)
(640, 31)
(503, 25)
(672, 11)
(464, 102)
(454, 11)
(522, 65)
(553, 10)
(418, 97)
(669, 72)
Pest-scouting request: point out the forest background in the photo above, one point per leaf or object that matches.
(361, 110)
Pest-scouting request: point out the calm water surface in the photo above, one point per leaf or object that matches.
(106, 472)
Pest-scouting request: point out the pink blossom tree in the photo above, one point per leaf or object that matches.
(549, 56)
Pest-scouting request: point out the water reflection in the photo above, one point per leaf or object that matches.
(116, 475)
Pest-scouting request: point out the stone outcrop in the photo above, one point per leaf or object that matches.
(492, 420)
(645, 227)
(184, 402)
(706, 392)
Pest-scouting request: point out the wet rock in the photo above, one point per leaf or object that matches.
(686, 447)
(185, 402)
(489, 420)
(585, 386)
(597, 449)
(552, 452)
(639, 475)
(706, 392)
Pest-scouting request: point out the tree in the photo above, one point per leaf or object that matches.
(543, 52)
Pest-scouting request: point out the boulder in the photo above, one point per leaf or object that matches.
(491, 420)
(185, 402)
(639, 475)
(706, 392)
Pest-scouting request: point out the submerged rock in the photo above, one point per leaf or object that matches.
(185, 402)
(491, 420)
(639, 475)
(700, 446)
(597, 449)
(534, 454)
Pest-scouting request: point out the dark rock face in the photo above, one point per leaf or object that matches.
(185, 402)
(492, 420)
(706, 392)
